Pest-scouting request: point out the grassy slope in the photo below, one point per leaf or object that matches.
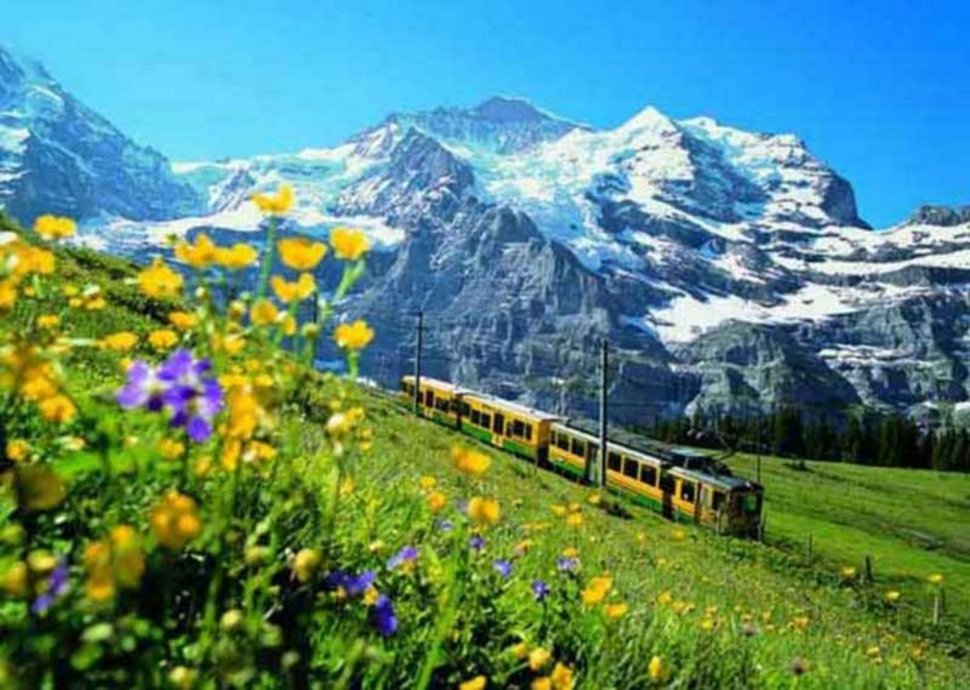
(798, 613)
(911, 522)
(646, 558)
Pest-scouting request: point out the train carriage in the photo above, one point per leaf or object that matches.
(516, 428)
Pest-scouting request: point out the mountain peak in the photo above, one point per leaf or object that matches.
(941, 215)
(508, 109)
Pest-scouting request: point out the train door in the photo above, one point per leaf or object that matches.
(498, 428)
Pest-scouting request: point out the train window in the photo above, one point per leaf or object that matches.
(592, 450)
(476, 418)
(614, 461)
(687, 491)
(667, 483)
(563, 442)
(631, 468)
(499, 426)
(579, 448)
(444, 405)
(717, 500)
(465, 409)
(518, 428)
(486, 420)
(648, 475)
(429, 398)
(528, 432)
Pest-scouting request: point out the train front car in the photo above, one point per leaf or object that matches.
(744, 510)
(437, 400)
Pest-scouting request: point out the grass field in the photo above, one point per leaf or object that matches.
(248, 599)
(910, 522)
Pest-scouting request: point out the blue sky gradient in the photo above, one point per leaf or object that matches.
(881, 91)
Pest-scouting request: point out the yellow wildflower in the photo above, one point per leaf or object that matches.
(679, 534)
(615, 610)
(236, 257)
(847, 572)
(597, 589)
(182, 320)
(117, 561)
(288, 325)
(163, 339)
(175, 520)
(8, 295)
(263, 313)
(54, 227)
(305, 564)
(520, 650)
(558, 510)
(16, 580)
(48, 321)
(476, 683)
(427, 482)
(935, 579)
(296, 291)
(353, 336)
(277, 204)
(17, 449)
(171, 449)
(561, 677)
(469, 461)
(665, 597)
(200, 254)
(348, 244)
(570, 552)
(300, 253)
(123, 341)
(484, 511)
(657, 670)
(58, 409)
(437, 501)
(158, 280)
(541, 683)
(539, 658)
(892, 596)
(575, 520)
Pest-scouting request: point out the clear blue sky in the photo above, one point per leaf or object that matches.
(880, 90)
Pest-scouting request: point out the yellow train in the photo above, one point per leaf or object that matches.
(682, 486)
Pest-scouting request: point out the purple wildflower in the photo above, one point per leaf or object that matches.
(540, 589)
(444, 525)
(476, 543)
(56, 585)
(567, 563)
(503, 567)
(181, 385)
(406, 556)
(353, 585)
(383, 616)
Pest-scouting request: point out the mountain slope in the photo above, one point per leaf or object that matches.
(58, 156)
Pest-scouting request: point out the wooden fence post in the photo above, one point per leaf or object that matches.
(868, 569)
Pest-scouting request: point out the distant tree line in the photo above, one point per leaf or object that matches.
(864, 439)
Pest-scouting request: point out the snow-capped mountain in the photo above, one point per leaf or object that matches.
(730, 269)
(58, 156)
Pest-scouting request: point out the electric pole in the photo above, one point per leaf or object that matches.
(604, 366)
(417, 363)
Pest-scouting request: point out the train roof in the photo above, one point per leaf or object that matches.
(437, 383)
(517, 408)
(684, 461)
